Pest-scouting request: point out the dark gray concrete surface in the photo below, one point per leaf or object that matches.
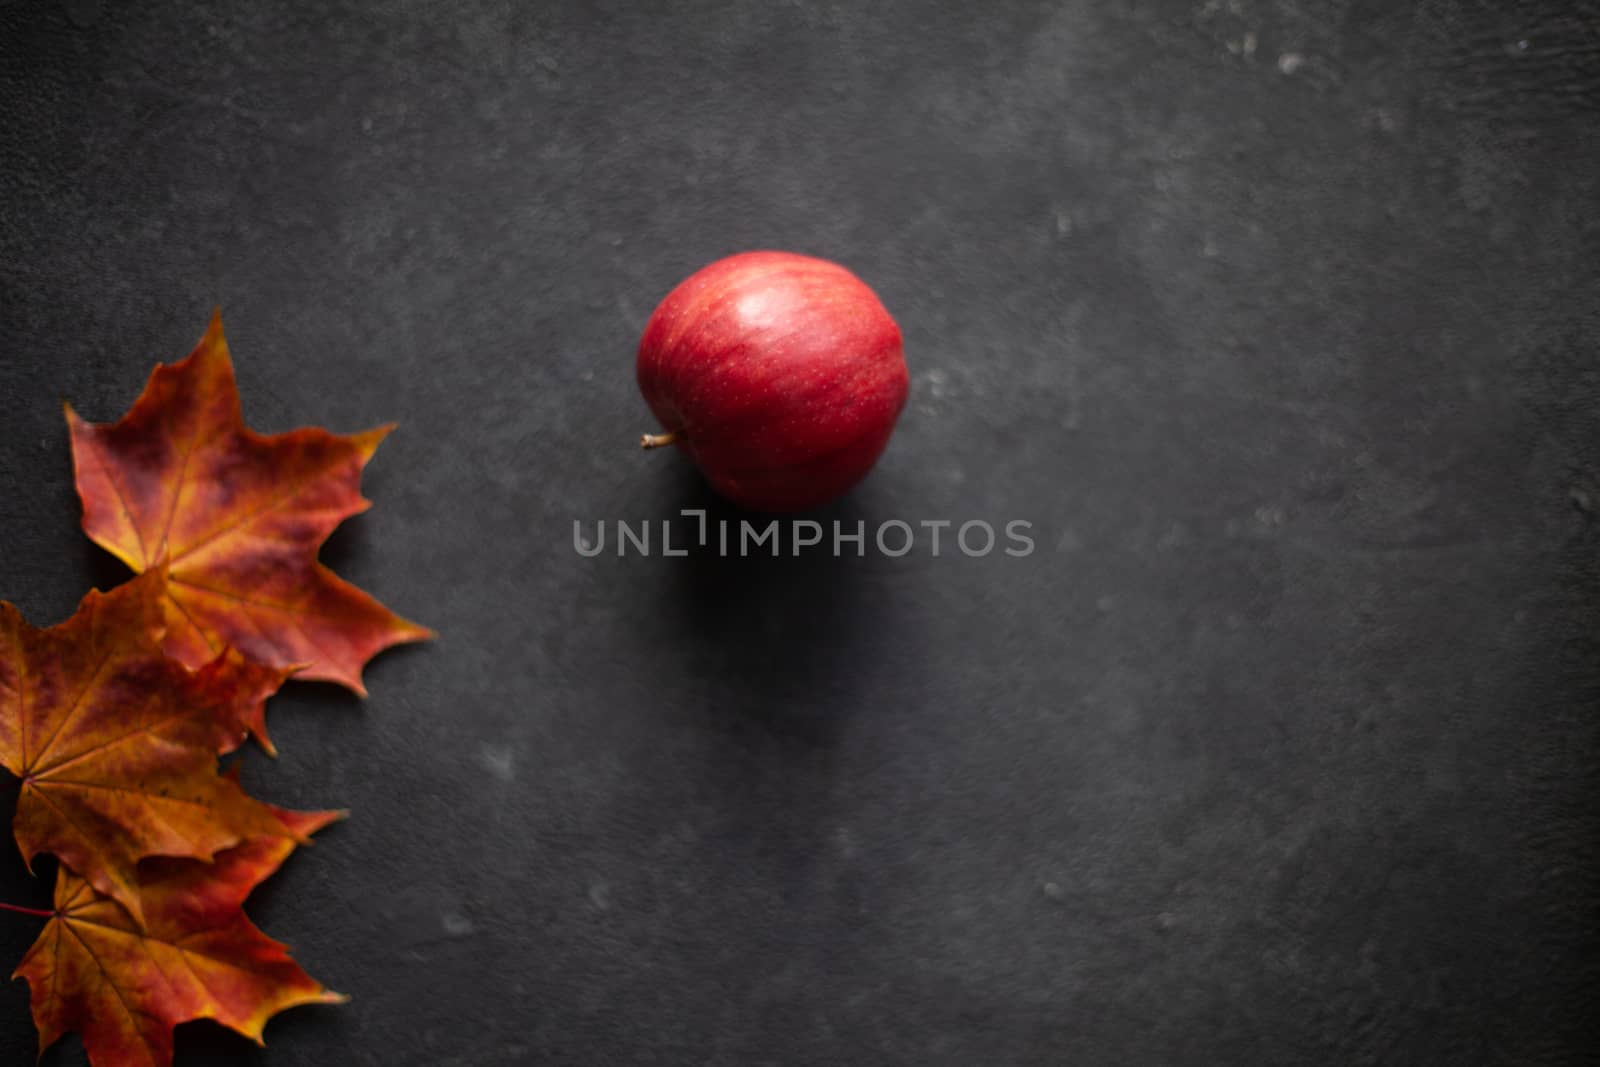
(1277, 319)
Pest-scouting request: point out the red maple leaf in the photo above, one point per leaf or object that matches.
(124, 986)
(116, 744)
(236, 518)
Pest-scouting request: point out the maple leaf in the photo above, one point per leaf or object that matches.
(237, 518)
(115, 744)
(124, 986)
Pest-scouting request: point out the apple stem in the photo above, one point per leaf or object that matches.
(20, 910)
(658, 440)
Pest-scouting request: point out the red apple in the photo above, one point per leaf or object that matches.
(780, 376)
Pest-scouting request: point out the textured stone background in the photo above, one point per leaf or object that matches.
(1276, 318)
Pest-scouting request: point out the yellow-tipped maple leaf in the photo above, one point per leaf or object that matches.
(116, 744)
(124, 986)
(236, 518)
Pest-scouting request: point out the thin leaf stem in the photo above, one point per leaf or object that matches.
(20, 910)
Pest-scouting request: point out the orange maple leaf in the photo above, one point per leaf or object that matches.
(237, 519)
(115, 744)
(124, 987)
